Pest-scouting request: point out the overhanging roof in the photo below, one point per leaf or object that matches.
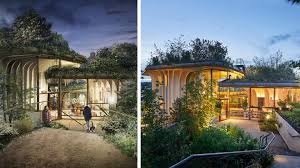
(194, 65)
(33, 53)
(258, 84)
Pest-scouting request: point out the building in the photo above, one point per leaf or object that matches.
(64, 94)
(230, 89)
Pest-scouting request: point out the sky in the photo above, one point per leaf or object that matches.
(86, 24)
(248, 28)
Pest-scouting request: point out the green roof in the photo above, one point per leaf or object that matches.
(41, 53)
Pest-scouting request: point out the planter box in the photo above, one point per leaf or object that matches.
(289, 134)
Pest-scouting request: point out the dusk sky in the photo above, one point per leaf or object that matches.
(248, 28)
(86, 24)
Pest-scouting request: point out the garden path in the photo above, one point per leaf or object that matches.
(283, 161)
(56, 148)
(277, 147)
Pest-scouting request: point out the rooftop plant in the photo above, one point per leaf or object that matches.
(31, 33)
(198, 50)
(116, 62)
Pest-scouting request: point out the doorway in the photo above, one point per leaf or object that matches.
(260, 103)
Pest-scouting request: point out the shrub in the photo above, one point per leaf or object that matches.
(163, 147)
(282, 104)
(57, 126)
(293, 117)
(7, 133)
(122, 131)
(295, 105)
(269, 123)
(23, 125)
(224, 139)
(114, 124)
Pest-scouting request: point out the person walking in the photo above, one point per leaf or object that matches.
(46, 117)
(87, 116)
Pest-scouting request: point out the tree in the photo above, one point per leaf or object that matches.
(197, 108)
(118, 58)
(57, 42)
(272, 68)
(207, 50)
(127, 99)
(5, 37)
(294, 1)
(177, 51)
(30, 28)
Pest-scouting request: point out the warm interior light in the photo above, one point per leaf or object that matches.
(268, 117)
(111, 99)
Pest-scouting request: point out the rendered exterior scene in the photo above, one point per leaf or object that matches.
(220, 84)
(68, 84)
(232, 92)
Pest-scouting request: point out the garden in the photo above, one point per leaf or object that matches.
(191, 127)
(193, 132)
(292, 116)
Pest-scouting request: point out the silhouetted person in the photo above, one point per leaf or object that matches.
(87, 116)
(46, 117)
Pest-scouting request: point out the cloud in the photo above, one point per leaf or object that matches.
(84, 23)
(279, 38)
(75, 12)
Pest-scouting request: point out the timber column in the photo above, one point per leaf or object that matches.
(37, 85)
(59, 111)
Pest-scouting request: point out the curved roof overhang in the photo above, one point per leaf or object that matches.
(257, 84)
(194, 66)
(45, 56)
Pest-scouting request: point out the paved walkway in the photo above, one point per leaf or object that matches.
(249, 126)
(283, 161)
(55, 148)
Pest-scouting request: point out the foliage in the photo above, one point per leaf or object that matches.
(197, 108)
(127, 98)
(57, 125)
(114, 124)
(7, 133)
(225, 139)
(119, 57)
(269, 123)
(294, 1)
(282, 104)
(30, 28)
(295, 105)
(203, 50)
(165, 145)
(75, 85)
(245, 104)
(31, 33)
(122, 131)
(5, 38)
(177, 51)
(12, 98)
(116, 62)
(270, 69)
(293, 117)
(23, 125)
